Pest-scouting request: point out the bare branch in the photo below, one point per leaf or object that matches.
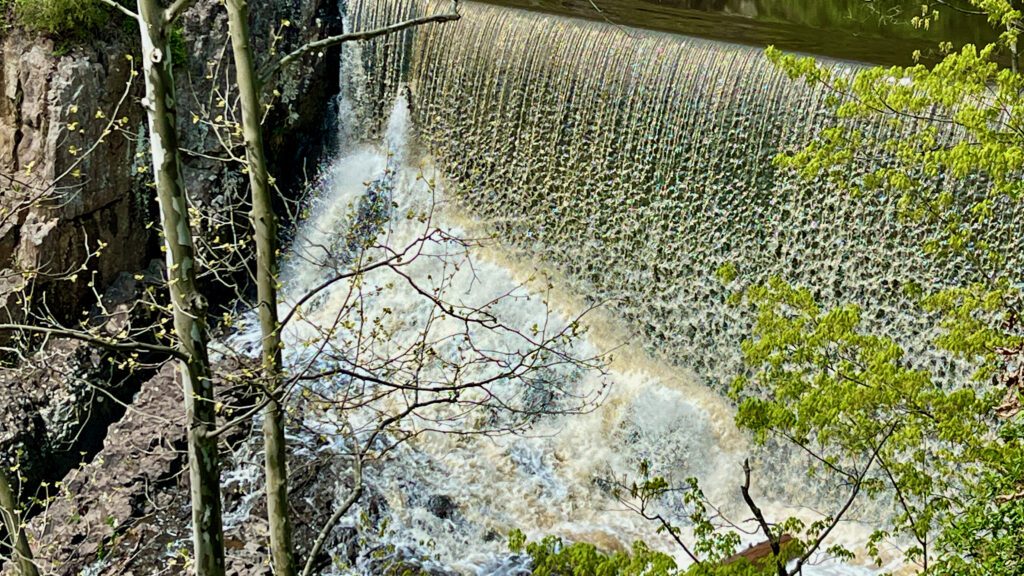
(951, 6)
(773, 539)
(321, 44)
(121, 8)
(674, 533)
(243, 418)
(357, 491)
(854, 492)
(176, 9)
(108, 343)
(311, 293)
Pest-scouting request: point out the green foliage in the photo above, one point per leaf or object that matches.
(727, 273)
(61, 18)
(979, 320)
(711, 546)
(553, 557)
(178, 46)
(853, 400)
(6, 14)
(947, 141)
(921, 108)
(985, 538)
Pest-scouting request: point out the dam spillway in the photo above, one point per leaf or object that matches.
(632, 164)
(639, 162)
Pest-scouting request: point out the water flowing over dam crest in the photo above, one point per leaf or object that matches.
(629, 165)
(640, 162)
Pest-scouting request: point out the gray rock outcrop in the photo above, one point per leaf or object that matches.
(68, 183)
(68, 116)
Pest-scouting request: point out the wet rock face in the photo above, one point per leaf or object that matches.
(56, 107)
(296, 125)
(62, 397)
(317, 482)
(58, 201)
(127, 508)
(118, 492)
(442, 506)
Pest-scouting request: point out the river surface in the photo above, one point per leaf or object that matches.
(867, 31)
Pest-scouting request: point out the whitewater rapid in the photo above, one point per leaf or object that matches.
(547, 482)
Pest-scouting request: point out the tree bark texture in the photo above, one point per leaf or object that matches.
(265, 230)
(20, 551)
(188, 304)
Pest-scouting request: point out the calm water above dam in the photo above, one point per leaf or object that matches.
(878, 31)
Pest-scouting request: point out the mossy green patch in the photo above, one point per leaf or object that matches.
(65, 20)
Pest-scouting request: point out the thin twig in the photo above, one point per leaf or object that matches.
(277, 65)
(121, 8)
(357, 491)
(97, 340)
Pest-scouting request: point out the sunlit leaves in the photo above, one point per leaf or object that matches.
(947, 140)
(551, 556)
(819, 380)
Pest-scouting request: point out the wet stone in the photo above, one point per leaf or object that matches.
(442, 506)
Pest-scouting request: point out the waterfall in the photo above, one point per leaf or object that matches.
(542, 483)
(545, 482)
(639, 162)
(617, 165)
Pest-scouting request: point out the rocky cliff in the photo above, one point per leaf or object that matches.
(59, 200)
(73, 178)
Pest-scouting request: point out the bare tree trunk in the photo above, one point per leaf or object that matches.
(9, 511)
(189, 305)
(265, 227)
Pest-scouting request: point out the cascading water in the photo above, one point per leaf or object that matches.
(543, 482)
(638, 162)
(618, 164)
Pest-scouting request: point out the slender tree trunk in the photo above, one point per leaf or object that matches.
(188, 304)
(265, 228)
(21, 553)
